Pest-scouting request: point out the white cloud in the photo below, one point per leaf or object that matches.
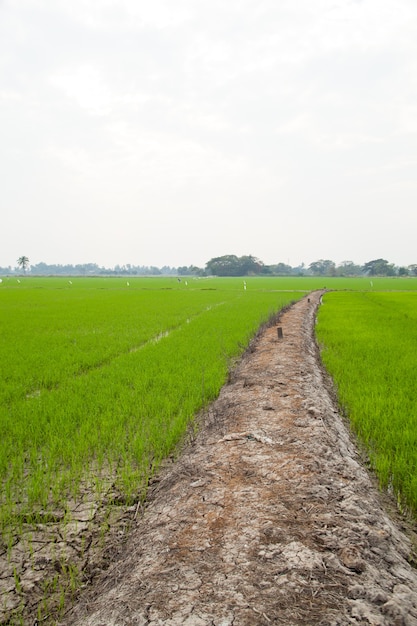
(258, 114)
(86, 87)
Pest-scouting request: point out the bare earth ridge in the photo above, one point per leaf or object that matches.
(268, 517)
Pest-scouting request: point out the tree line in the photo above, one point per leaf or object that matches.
(231, 265)
(85, 269)
(227, 265)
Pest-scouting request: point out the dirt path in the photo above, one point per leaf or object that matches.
(268, 517)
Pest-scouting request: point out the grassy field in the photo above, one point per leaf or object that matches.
(369, 347)
(280, 283)
(101, 377)
(106, 375)
(108, 372)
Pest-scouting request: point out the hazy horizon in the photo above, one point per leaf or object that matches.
(174, 267)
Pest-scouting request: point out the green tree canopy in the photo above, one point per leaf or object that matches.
(323, 267)
(281, 269)
(349, 268)
(379, 267)
(231, 265)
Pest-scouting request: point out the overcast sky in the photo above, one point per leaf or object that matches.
(168, 132)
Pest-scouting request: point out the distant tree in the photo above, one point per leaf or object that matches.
(348, 268)
(191, 270)
(40, 268)
(378, 267)
(300, 270)
(413, 269)
(227, 265)
(87, 268)
(402, 271)
(281, 269)
(231, 265)
(323, 267)
(167, 270)
(23, 262)
(197, 271)
(250, 265)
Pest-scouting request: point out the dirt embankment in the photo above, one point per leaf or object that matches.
(269, 517)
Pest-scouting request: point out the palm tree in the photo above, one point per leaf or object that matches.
(23, 263)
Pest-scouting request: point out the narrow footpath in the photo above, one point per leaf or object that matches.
(268, 517)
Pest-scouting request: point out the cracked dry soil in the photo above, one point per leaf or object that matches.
(268, 517)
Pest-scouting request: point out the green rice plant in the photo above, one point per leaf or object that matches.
(107, 413)
(54, 334)
(368, 344)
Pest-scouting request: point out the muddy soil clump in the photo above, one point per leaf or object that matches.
(268, 517)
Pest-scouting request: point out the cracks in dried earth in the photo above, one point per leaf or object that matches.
(268, 517)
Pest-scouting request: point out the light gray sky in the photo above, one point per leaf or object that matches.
(168, 132)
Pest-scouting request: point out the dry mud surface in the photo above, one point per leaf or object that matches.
(268, 517)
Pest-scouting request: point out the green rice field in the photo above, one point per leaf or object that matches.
(369, 346)
(102, 376)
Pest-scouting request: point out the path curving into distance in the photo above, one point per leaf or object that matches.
(268, 517)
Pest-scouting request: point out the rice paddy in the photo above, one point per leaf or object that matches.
(369, 347)
(105, 375)
(101, 377)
